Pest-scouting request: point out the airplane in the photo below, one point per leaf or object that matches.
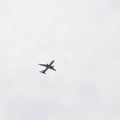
(48, 66)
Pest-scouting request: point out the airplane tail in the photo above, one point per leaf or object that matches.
(53, 68)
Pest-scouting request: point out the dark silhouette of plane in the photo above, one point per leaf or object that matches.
(48, 66)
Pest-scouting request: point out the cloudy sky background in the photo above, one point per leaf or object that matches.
(83, 37)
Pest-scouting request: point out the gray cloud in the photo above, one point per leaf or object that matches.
(82, 37)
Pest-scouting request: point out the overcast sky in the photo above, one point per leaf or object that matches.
(83, 37)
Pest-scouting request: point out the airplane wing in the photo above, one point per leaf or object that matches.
(44, 70)
(51, 62)
(43, 65)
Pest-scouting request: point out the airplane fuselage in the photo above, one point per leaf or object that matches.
(48, 66)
